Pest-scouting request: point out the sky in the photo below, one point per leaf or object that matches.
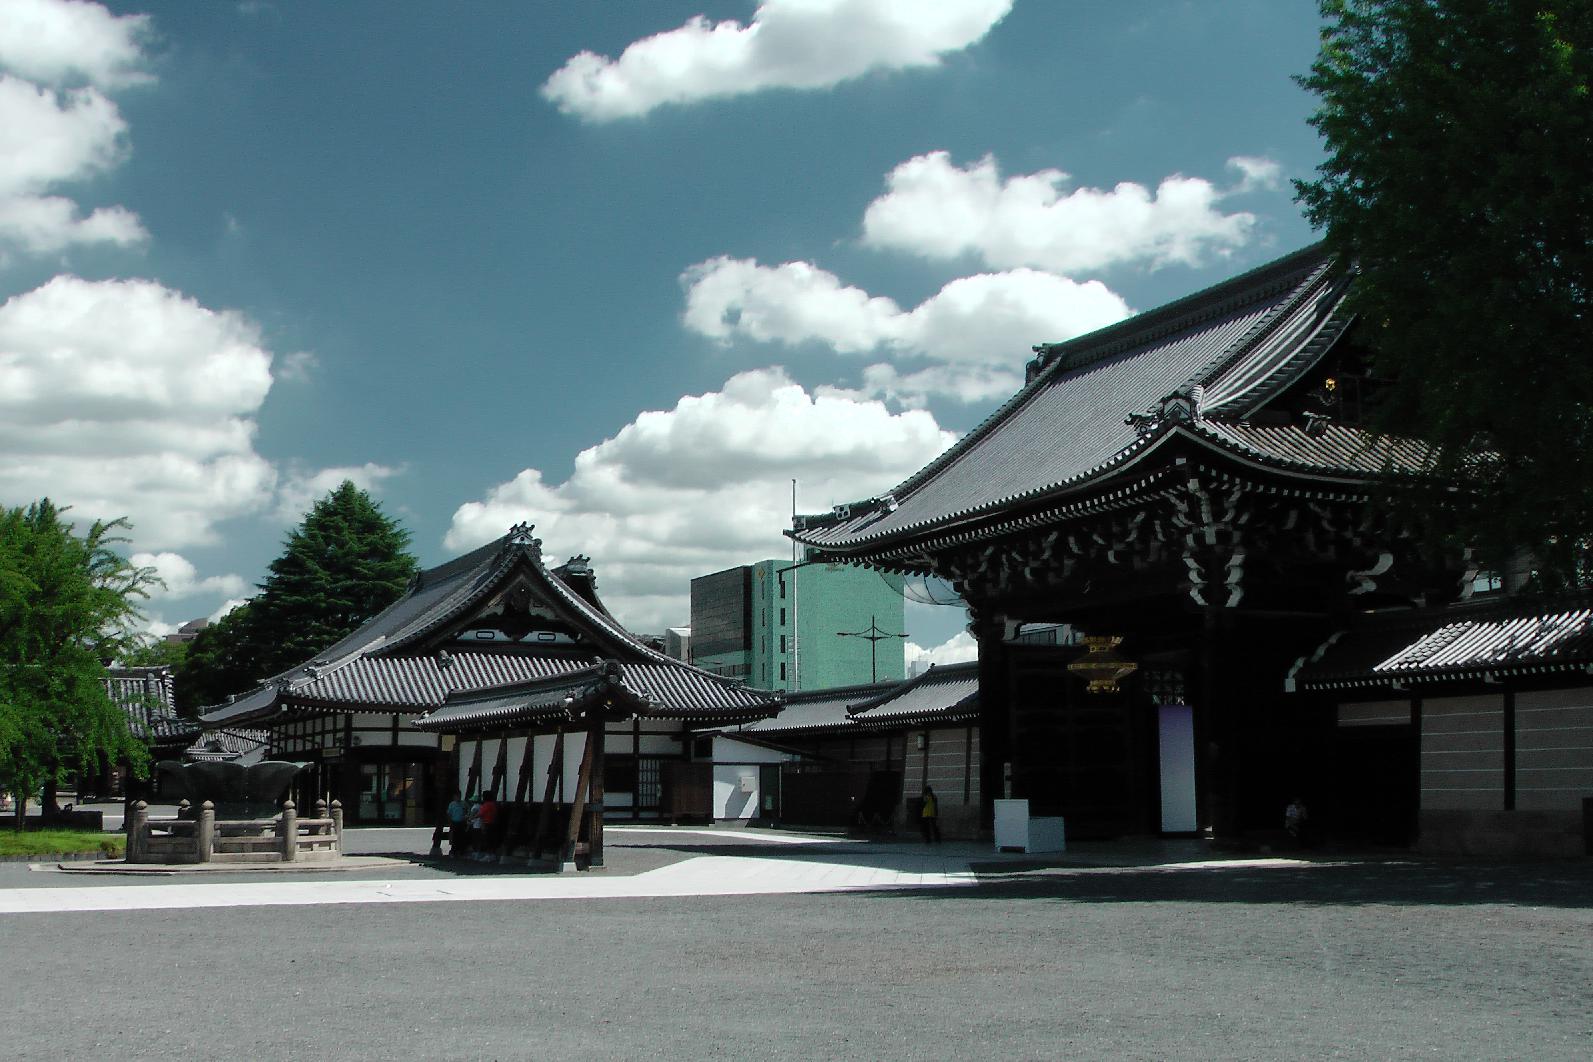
(621, 270)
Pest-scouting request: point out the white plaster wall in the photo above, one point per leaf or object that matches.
(407, 735)
(511, 782)
(489, 759)
(543, 757)
(660, 745)
(729, 801)
(574, 747)
(729, 750)
(467, 753)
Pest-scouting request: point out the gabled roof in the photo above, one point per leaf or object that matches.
(144, 694)
(1193, 369)
(946, 693)
(1521, 636)
(394, 661)
(667, 691)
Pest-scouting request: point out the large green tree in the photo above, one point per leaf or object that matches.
(68, 603)
(346, 562)
(1459, 181)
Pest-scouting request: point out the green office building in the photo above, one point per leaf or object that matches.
(806, 627)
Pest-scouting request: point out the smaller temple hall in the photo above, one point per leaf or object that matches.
(494, 673)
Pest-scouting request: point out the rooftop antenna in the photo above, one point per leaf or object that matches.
(796, 628)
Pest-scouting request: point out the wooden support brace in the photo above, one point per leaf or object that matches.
(578, 802)
(545, 813)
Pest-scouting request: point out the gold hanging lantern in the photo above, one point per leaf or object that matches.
(1100, 666)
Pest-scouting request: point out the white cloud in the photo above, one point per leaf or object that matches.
(299, 490)
(938, 210)
(706, 485)
(123, 397)
(182, 578)
(297, 367)
(226, 607)
(49, 138)
(976, 331)
(806, 44)
(957, 649)
(62, 41)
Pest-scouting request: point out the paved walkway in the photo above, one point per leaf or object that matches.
(645, 862)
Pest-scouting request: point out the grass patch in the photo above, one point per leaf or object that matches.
(49, 842)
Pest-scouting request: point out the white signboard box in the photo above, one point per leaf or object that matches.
(1017, 832)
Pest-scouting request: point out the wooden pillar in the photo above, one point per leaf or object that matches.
(473, 780)
(500, 769)
(595, 808)
(555, 776)
(578, 803)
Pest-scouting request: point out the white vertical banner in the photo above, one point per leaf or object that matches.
(1175, 731)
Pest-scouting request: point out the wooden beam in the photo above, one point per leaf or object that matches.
(473, 779)
(555, 775)
(578, 802)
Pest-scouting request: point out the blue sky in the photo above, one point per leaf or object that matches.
(247, 249)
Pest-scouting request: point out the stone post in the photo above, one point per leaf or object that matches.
(320, 813)
(137, 826)
(184, 809)
(289, 832)
(337, 826)
(205, 831)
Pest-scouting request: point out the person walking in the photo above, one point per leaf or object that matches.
(458, 826)
(929, 817)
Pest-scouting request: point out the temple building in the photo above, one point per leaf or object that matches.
(493, 673)
(857, 757)
(1192, 490)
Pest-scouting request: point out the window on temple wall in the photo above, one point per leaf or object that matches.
(782, 672)
(782, 643)
(782, 591)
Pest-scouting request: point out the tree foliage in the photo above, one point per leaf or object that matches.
(346, 562)
(1460, 147)
(67, 605)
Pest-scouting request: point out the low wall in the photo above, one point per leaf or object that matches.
(1505, 834)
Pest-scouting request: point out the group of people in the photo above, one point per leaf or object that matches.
(472, 827)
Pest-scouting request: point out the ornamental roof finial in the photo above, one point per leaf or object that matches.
(520, 535)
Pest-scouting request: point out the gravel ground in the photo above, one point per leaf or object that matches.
(1375, 961)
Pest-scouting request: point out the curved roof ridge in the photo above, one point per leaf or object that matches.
(1220, 300)
(1217, 300)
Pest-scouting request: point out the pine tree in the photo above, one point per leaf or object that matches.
(346, 562)
(1460, 143)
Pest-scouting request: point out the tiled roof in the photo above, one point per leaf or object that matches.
(1329, 448)
(388, 663)
(145, 695)
(1194, 369)
(944, 694)
(419, 683)
(667, 691)
(815, 710)
(218, 745)
(1515, 637)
